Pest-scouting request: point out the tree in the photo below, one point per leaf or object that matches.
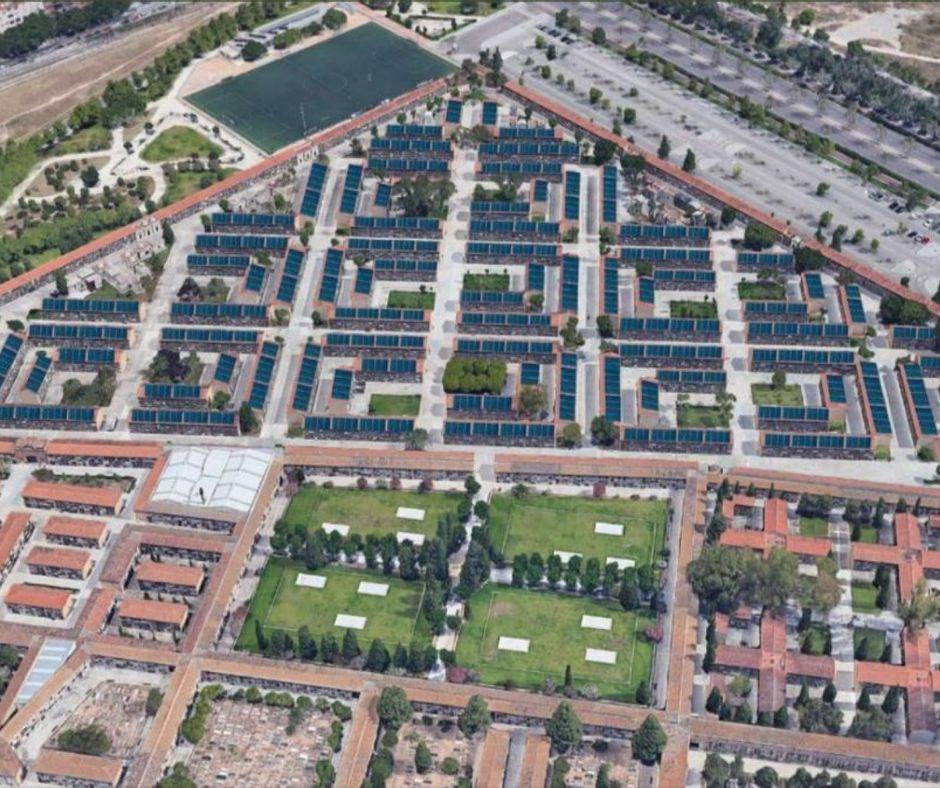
(664, 147)
(475, 717)
(350, 648)
(61, 285)
(629, 116)
(90, 176)
(643, 695)
(603, 432)
(394, 707)
(564, 728)
(632, 167)
(533, 401)
(816, 716)
(758, 236)
(604, 151)
(85, 740)
(599, 36)
(872, 724)
(570, 436)
(334, 19)
(765, 777)
(688, 163)
(897, 310)
(247, 421)
(713, 702)
(423, 758)
(594, 95)
(416, 439)
(781, 717)
(306, 645)
(921, 609)
(154, 699)
(253, 50)
(649, 741)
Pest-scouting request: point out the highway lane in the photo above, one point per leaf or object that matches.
(774, 174)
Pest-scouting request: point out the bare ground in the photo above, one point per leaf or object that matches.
(68, 83)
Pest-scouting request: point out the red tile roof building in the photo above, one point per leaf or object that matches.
(59, 562)
(152, 614)
(35, 600)
(73, 497)
(75, 531)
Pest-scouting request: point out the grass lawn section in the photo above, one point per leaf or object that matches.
(543, 524)
(368, 511)
(552, 624)
(864, 596)
(766, 394)
(814, 526)
(279, 603)
(274, 105)
(761, 291)
(179, 142)
(693, 309)
(700, 416)
(394, 404)
(404, 299)
(488, 282)
(868, 534)
(875, 638)
(182, 183)
(816, 640)
(90, 139)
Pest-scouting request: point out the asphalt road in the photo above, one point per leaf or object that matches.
(901, 154)
(774, 174)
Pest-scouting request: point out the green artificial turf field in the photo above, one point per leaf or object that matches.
(277, 104)
(543, 524)
(368, 511)
(279, 603)
(552, 624)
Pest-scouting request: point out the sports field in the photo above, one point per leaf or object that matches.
(546, 523)
(552, 624)
(277, 104)
(279, 603)
(368, 511)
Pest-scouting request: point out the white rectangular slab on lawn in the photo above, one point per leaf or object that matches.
(622, 563)
(349, 622)
(310, 581)
(407, 513)
(407, 536)
(342, 530)
(608, 529)
(596, 622)
(373, 589)
(521, 645)
(565, 556)
(601, 655)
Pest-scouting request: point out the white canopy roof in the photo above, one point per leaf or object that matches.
(212, 478)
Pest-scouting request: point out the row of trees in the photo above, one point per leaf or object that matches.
(719, 773)
(40, 27)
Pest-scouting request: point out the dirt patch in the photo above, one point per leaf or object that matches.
(72, 81)
(919, 36)
(504, 608)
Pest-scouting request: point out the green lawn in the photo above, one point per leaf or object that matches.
(490, 282)
(765, 394)
(761, 291)
(816, 640)
(394, 404)
(179, 184)
(368, 511)
(106, 292)
(179, 142)
(279, 603)
(405, 299)
(868, 534)
(875, 638)
(814, 526)
(280, 102)
(543, 524)
(43, 257)
(91, 139)
(701, 416)
(864, 596)
(693, 309)
(552, 624)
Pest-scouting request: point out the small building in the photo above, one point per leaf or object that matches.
(75, 769)
(170, 578)
(76, 532)
(152, 615)
(74, 564)
(14, 533)
(34, 600)
(78, 498)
